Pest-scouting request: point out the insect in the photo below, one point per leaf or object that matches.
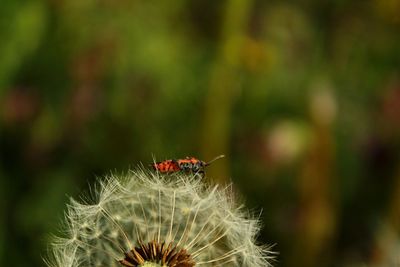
(187, 165)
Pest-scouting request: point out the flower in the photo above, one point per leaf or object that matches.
(152, 220)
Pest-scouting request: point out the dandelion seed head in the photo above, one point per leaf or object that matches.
(144, 219)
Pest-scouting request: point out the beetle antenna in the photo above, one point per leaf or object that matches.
(214, 159)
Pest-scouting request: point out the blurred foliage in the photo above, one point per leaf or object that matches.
(303, 98)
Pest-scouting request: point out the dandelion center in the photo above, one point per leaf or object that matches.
(154, 252)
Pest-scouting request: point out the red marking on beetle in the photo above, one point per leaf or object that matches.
(187, 165)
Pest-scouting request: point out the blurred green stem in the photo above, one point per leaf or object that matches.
(317, 206)
(221, 91)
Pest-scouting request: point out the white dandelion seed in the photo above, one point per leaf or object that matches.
(148, 220)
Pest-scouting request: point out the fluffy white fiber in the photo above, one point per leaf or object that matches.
(144, 207)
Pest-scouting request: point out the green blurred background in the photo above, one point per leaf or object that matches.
(303, 97)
